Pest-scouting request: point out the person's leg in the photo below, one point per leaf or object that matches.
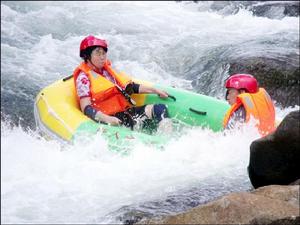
(135, 118)
(140, 114)
(149, 117)
(159, 113)
(126, 119)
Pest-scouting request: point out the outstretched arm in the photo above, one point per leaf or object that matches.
(151, 90)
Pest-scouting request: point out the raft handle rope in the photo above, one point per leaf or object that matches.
(127, 96)
(54, 114)
(172, 97)
(123, 92)
(67, 78)
(198, 112)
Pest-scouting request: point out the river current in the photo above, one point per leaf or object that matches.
(173, 43)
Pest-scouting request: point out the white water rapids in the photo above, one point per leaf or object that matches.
(44, 182)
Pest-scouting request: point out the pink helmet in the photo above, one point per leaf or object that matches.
(242, 81)
(90, 41)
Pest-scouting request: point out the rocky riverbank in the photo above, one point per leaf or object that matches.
(267, 205)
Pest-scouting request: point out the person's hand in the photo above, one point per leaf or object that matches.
(162, 94)
(107, 119)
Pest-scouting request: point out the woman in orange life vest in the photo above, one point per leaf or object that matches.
(104, 95)
(247, 100)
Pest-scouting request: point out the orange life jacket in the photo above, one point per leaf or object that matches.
(104, 94)
(258, 105)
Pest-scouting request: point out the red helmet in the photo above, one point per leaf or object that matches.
(242, 81)
(90, 41)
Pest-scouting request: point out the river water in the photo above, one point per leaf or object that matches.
(174, 43)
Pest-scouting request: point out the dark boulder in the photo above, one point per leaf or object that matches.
(279, 76)
(274, 159)
(285, 221)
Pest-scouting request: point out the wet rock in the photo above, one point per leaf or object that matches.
(266, 205)
(289, 129)
(225, 7)
(284, 221)
(276, 10)
(269, 9)
(289, 194)
(297, 182)
(279, 76)
(274, 159)
(128, 215)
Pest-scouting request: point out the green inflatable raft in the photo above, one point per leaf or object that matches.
(58, 115)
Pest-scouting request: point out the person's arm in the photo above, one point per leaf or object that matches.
(148, 90)
(91, 112)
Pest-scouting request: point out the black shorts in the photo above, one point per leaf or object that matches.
(136, 115)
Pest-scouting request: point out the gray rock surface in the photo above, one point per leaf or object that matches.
(266, 205)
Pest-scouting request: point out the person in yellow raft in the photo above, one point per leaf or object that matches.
(104, 95)
(248, 100)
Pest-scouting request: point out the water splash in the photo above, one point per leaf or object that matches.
(167, 42)
(87, 183)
